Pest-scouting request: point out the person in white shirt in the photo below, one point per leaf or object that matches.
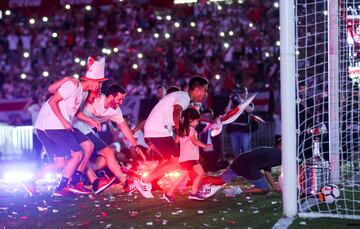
(103, 108)
(161, 126)
(54, 126)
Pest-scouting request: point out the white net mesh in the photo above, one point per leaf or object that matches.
(311, 20)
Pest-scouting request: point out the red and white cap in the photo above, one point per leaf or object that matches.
(95, 70)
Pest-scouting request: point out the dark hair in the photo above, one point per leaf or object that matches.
(172, 89)
(114, 90)
(208, 110)
(187, 117)
(197, 81)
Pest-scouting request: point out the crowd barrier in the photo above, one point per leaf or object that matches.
(16, 142)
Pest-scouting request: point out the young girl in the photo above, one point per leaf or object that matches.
(189, 155)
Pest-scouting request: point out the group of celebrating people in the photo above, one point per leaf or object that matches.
(68, 120)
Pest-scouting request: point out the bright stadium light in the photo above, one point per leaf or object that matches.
(23, 76)
(251, 25)
(139, 30)
(7, 12)
(267, 54)
(140, 55)
(325, 13)
(231, 33)
(32, 21)
(88, 7)
(76, 76)
(26, 54)
(217, 76)
(278, 43)
(77, 60)
(177, 24)
(159, 18)
(167, 35)
(135, 66)
(222, 34)
(83, 63)
(103, 50)
(276, 4)
(219, 7)
(45, 73)
(168, 17)
(45, 19)
(67, 6)
(156, 35)
(54, 35)
(226, 45)
(115, 50)
(297, 52)
(17, 176)
(192, 24)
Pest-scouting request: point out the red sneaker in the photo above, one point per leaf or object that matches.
(103, 184)
(63, 192)
(79, 188)
(129, 187)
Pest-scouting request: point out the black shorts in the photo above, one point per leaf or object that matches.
(98, 145)
(166, 146)
(188, 165)
(59, 143)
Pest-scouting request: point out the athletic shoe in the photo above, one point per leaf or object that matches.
(79, 188)
(168, 198)
(63, 192)
(103, 184)
(210, 190)
(129, 187)
(144, 189)
(29, 187)
(196, 196)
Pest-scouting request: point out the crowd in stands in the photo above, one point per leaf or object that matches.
(146, 47)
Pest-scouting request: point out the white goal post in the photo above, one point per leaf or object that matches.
(320, 106)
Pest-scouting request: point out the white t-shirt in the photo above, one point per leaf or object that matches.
(34, 110)
(97, 111)
(160, 121)
(73, 96)
(188, 151)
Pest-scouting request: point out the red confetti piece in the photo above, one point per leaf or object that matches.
(24, 217)
(103, 214)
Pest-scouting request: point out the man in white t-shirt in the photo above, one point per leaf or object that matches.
(54, 125)
(161, 126)
(105, 107)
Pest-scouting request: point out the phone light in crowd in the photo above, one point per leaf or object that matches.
(159, 18)
(45, 73)
(156, 35)
(279, 58)
(276, 4)
(231, 33)
(279, 27)
(217, 76)
(67, 6)
(140, 55)
(297, 52)
(325, 13)
(115, 50)
(23, 76)
(139, 30)
(88, 7)
(167, 35)
(135, 66)
(168, 17)
(83, 63)
(32, 21)
(45, 19)
(26, 54)
(222, 34)
(226, 45)
(7, 12)
(192, 24)
(177, 24)
(278, 43)
(77, 60)
(76, 76)
(251, 25)
(54, 35)
(17, 176)
(219, 7)
(267, 54)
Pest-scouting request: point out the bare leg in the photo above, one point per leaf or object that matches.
(199, 175)
(162, 169)
(112, 163)
(184, 174)
(88, 148)
(72, 164)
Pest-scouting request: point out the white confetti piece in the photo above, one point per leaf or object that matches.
(164, 222)
(241, 210)
(14, 213)
(149, 223)
(255, 212)
(55, 211)
(274, 202)
(101, 222)
(108, 226)
(302, 223)
(96, 205)
(42, 209)
(206, 225)
(200, 211)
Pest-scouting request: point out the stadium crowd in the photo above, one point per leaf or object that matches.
(145, 47)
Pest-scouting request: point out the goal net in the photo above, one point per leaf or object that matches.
(327, 108)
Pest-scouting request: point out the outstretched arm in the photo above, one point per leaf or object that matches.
(271, 181)
(127, 133)
(198, 143)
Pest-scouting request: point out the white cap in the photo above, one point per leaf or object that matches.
(95, 70)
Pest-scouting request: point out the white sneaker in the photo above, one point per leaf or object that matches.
(236, 190)
(210, 190)
(144, 189)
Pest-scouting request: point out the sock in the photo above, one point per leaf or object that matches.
(95, 185)
(75, 179)
(63, 183)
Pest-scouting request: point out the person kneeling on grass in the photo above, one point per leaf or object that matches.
(249, 165)
(189, 155)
